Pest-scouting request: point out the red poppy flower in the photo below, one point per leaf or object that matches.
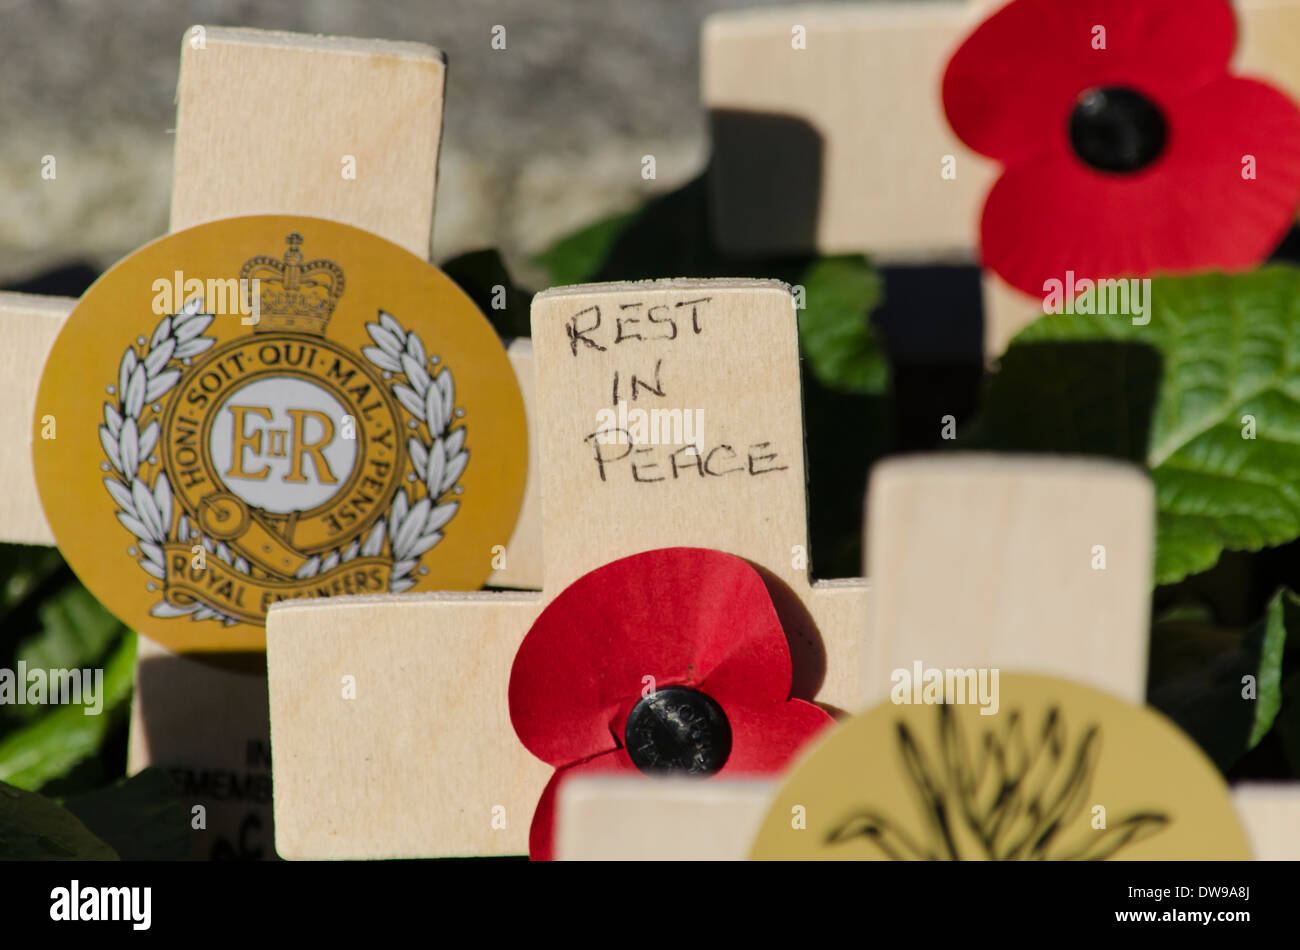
(667, 661)
(1125, 160)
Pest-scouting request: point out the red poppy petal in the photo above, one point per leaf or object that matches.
(1009, 89)
(679, 615)
(1239, 221)
(1191, 210)
(1050, 216)
(541, 834)
(765, 737)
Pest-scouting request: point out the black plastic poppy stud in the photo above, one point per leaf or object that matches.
(1117, 129)
(677, 730)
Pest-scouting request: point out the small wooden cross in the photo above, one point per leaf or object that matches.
(246, 144)
(1020, 563)
(829, 132)
(424, 758)
(424, 761)
(975, 560)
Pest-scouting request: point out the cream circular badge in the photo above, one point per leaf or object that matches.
(274, 407)
(1035, 768)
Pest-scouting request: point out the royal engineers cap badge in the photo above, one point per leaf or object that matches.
(274, 407)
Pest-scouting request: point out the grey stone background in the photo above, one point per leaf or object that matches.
(538, 139)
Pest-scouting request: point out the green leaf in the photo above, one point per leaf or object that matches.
(670, 237)
(578, 257)
(1230, 347)
(76, 630)
(142, 818)
(1197, 672)
(34, 828)
(1286, 721)
(1283, 612)
(73, 630)
(53, 744)
(1086, 398)
(835, 330)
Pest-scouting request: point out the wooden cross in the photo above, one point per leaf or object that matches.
(432, 725)
(975, 560)
(1029, 564)
(424, 761)
(842, 104)
(245, 145)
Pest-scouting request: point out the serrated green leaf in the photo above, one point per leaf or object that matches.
(1230, 347)
(34, 828)
(142, 817)
(50, 746)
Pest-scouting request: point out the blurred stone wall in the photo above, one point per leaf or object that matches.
(539, 139)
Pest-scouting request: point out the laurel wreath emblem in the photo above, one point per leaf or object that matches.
(413, 525)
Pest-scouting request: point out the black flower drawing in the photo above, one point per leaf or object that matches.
(1010, 797)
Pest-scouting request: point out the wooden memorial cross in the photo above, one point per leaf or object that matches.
(974, 560)
(1022, 563)
(207, 724)
(843, 104)
(422, 760)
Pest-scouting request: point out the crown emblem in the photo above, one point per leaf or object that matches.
(293, 295)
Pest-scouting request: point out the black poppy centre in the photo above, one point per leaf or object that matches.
(1117, 129)
(677, 730)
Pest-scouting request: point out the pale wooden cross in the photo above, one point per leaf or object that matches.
(245, 145)
(424, 758)
(849, 117)
(976, 560)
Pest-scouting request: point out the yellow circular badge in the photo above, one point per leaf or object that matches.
(1045, 769)
(274, 407)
